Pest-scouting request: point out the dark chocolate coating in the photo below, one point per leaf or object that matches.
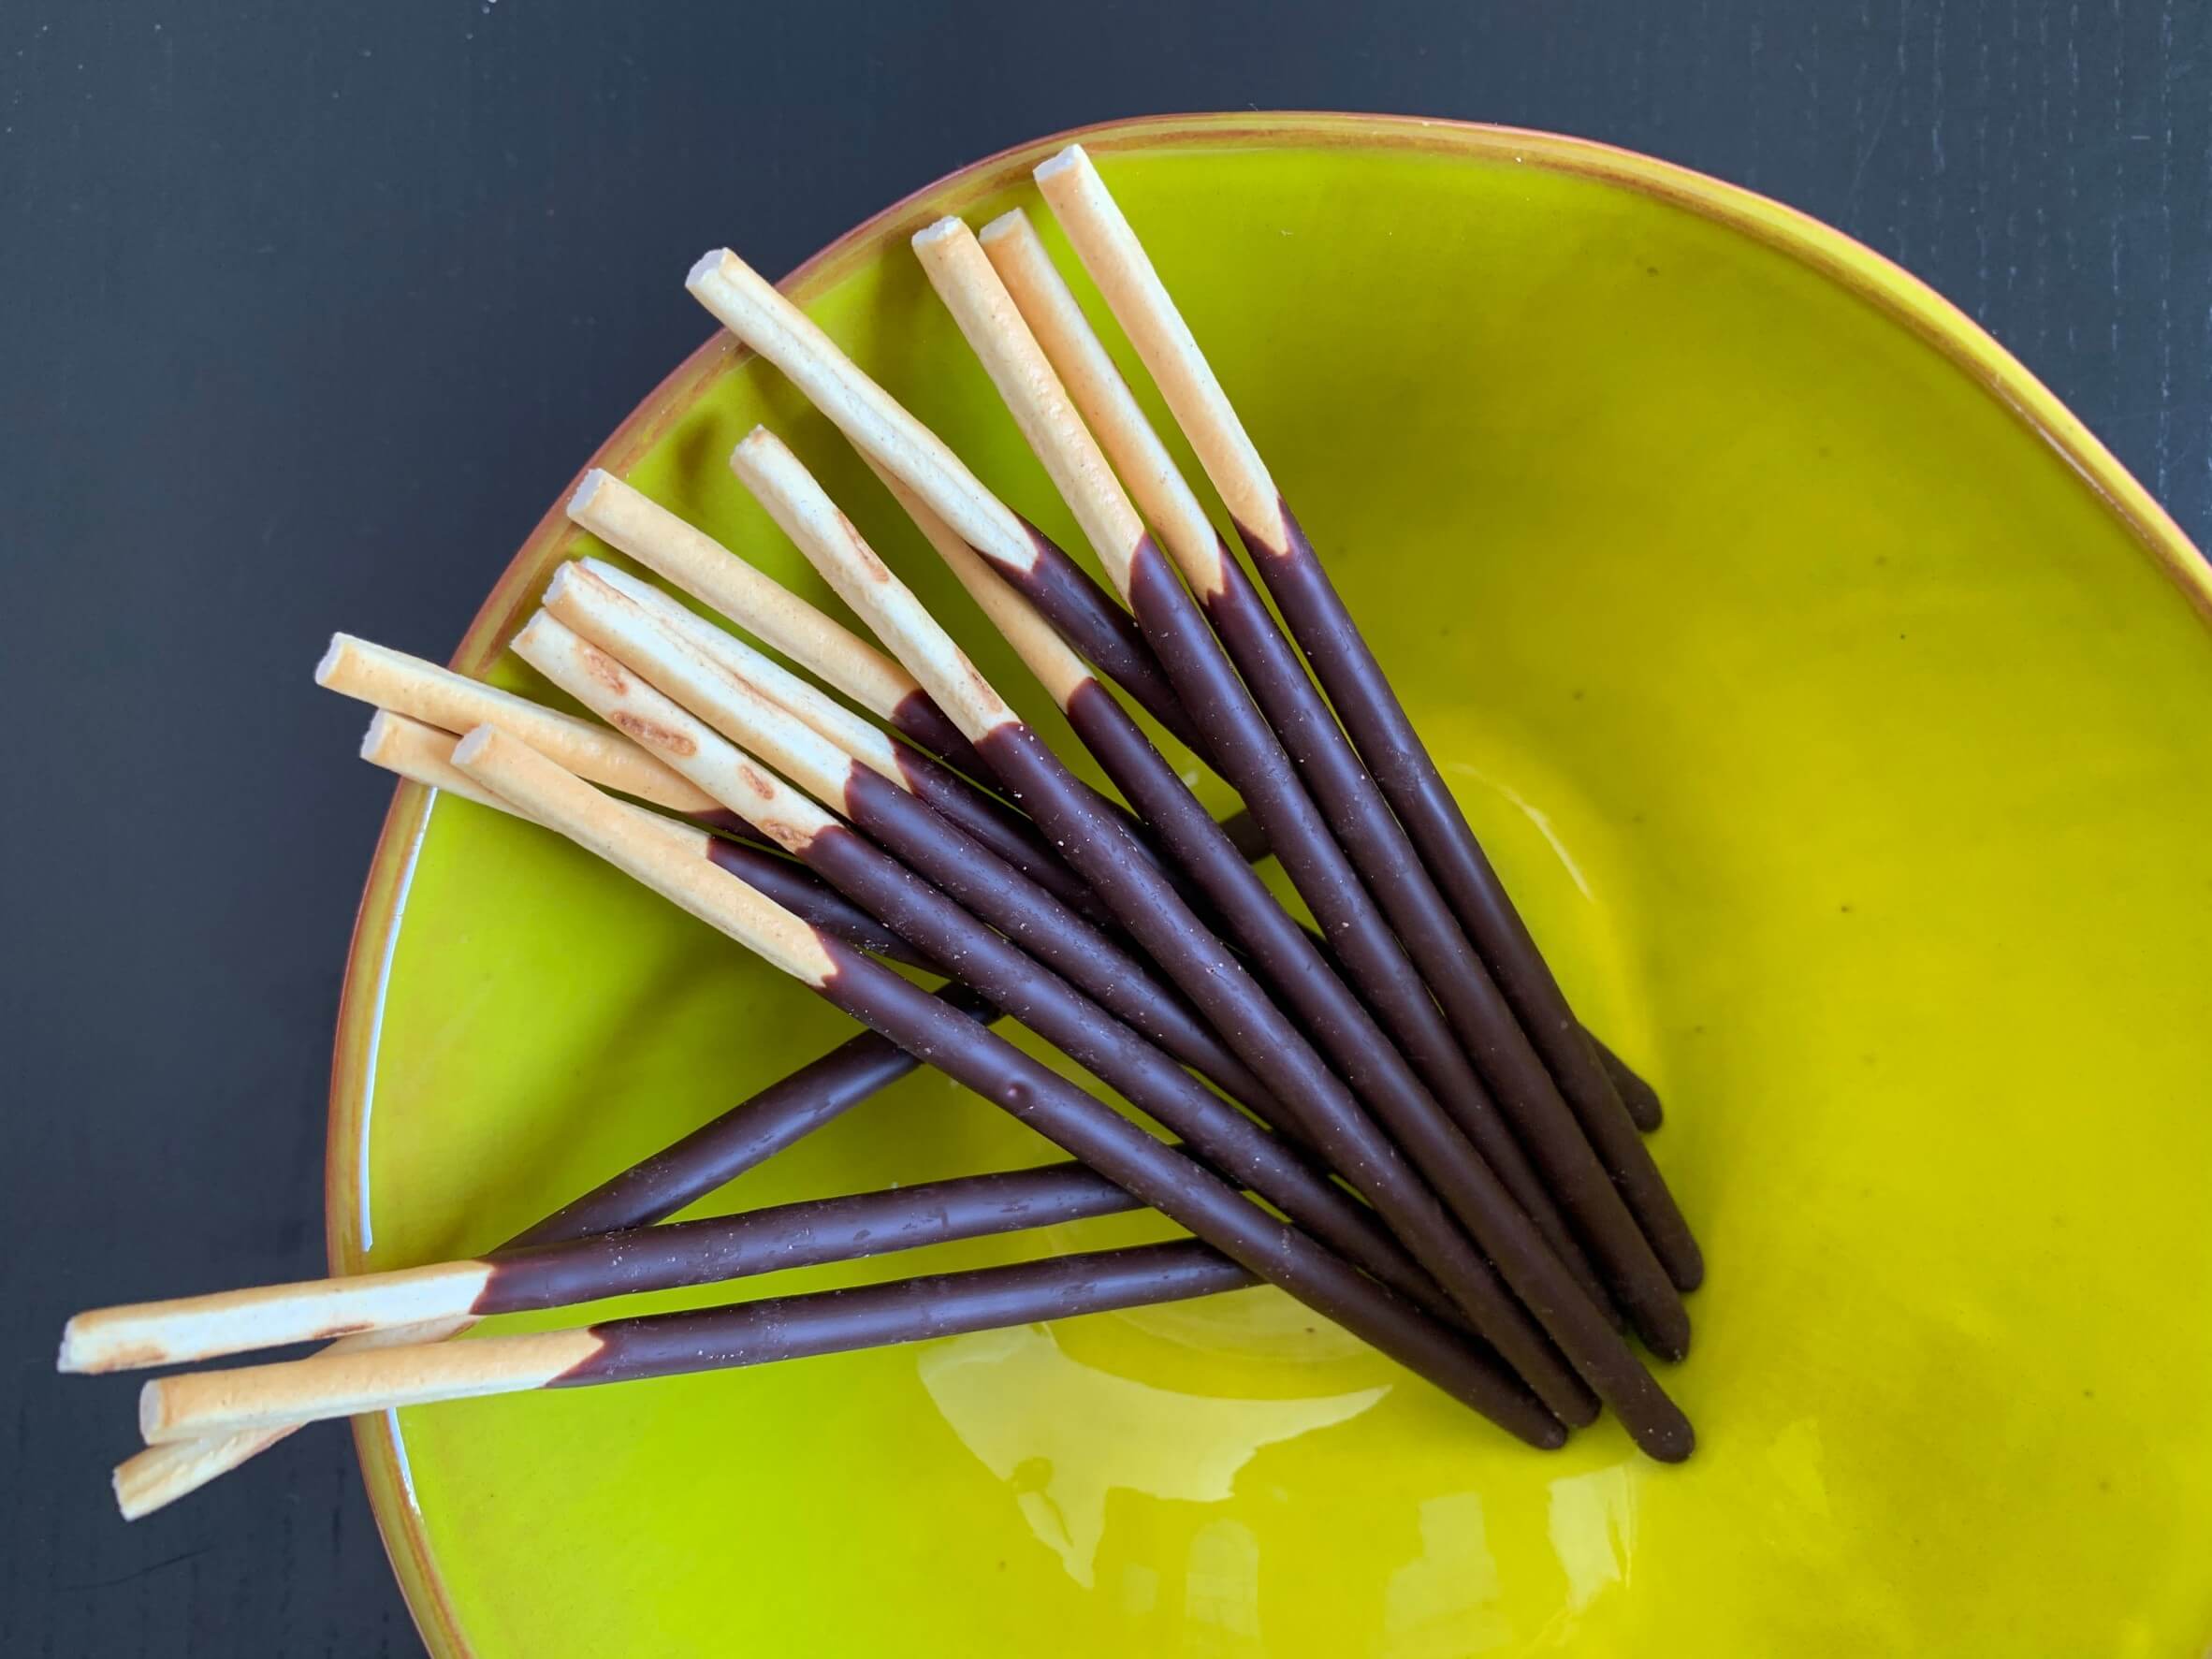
(723, 821)
(938, 785)
(1318, 1106)
(992, 824)
(902, 1310)
(1286, 956)
(1366, 837)
(1228, 1140)
(1638, 1096)
(1246, 835)
(1101, 630)
(1435, 1139)
(786, 1236)
(749, 1133)
(806, 896)
(1217, 1212)
(1082, 952)
(917, 716)
(1005, 832)
(1323, 626)
(1252, 758)
(1433, 1143)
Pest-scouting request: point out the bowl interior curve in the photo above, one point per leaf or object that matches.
(1845, 748)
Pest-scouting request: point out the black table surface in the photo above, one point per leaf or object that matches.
(308, 312)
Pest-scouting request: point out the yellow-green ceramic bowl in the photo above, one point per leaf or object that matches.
(1834, 704)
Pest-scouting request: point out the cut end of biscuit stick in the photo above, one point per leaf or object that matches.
(711, 264)
(835, 548)
(153, 1478)
(332, 1384)
(871, 420)
(159, 1475)
(156, 1478)
(579, 501)
(451, 702)
(424, 754)
(1124, 276)
(421, 754)
(542, 787)
(193, 1328)
(1103, 398)
(986, 313)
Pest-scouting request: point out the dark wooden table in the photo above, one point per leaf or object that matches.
(307, 311)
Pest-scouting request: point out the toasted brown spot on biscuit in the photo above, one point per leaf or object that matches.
(864, 554)
(605, 670)
(653, 735)
(789, 837)
(136, 1357)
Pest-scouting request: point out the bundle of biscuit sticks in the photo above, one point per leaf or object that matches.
(1391, 1115)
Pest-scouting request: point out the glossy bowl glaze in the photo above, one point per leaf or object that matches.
(1835, 705)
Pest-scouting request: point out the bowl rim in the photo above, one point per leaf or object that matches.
(1904, 298)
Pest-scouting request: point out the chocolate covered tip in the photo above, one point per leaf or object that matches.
(1673, 1445)
(1685, 1264)
(473, 743)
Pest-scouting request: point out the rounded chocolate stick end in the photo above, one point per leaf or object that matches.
(1582, 1412)
(1685, 1266)
(1664, 1331)
(1672, 1441)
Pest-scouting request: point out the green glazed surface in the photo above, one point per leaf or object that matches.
(1835, 709)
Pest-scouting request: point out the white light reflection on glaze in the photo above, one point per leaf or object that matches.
(1592, 1531)
(1066, 1434)
(1444, 1604)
